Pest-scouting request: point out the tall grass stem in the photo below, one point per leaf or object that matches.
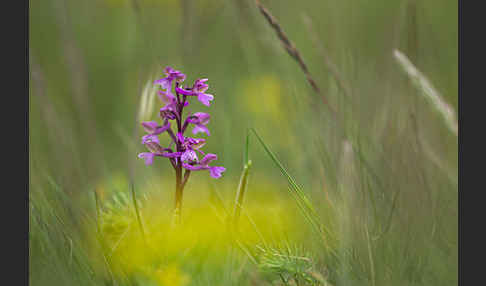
(137, 212)
(428, 91)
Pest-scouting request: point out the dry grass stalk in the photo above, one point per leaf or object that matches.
(46, 106)
(77, 71)
(75, 64)
(331, 67)
(59, 132)
(428, 91)
(290, 48)
(187, 28)
(136, 7)
(293, 52)
(241, 192)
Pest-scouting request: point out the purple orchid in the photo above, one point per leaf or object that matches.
(215, 171)
(200, 120)
(198, 90)
(172, 75)
(185, 156)
(152, 143)
(154, 129)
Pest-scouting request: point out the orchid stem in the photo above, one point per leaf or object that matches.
(178, 198)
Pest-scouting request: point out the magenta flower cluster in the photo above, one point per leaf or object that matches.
(183, 151)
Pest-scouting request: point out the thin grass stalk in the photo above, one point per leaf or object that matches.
(301, 199)
(145, 110)
(75, 61)
(291, 50)
(98, 212)
(428, 91)
(244, 17)
(370, 256)
(137, 212)
(345, 87)
(412, 42)
(283, 171)
(419, 150)
(392, 211)
(59, 132)
(101, 240)
(240, 193)
(136, 7)
(187, 27)
(257, 231)
(76, 66)
(331, 67)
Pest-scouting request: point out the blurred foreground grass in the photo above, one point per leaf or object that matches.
(381, 177)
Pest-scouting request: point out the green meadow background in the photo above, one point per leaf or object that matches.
(366, 197)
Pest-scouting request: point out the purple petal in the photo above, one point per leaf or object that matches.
(154, 129)
(200, 86)
(168, 70)
(162, 128)
(203, 118)
(180, 77)
(175, 74)
(197, 143)
(208, 158)
(200, 128)
(189, 155)
(171, 155)
(192, 119)
(193, 167)
(168, 112)
(150, 138)
(148, 157)
(154, 147)
(184, 91)
(166, 96)
(165, 82)
(205, 98)
(216, 171)
(150, 126)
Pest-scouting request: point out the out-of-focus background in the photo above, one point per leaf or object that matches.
(387, 160)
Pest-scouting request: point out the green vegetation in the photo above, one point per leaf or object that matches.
(363, 196)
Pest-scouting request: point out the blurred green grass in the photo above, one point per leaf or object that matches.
(89, 61)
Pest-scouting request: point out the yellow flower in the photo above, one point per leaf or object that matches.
(171, 275)
(262, 96)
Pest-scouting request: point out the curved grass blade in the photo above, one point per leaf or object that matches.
(305, 206)
(428, 91)
(240, 193)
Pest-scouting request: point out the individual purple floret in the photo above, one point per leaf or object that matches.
(198, 90)
(214, 171)
(154, 129)
(184, 156)
(200, 120)
(172, 75)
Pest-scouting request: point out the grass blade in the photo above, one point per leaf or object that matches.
(428, 91)
(301, 199)
(240, 193)
(137, 211)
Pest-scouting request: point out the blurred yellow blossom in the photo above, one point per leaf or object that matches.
(171, 275)
(262, 95)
